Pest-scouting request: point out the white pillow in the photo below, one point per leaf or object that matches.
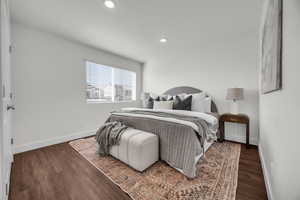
(207, 104)
(163, 105)
(197, 102)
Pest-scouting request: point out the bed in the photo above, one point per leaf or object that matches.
(184, 136)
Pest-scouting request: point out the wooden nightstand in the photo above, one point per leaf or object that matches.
(239, 118)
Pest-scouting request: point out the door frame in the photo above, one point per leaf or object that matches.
(2, 176)
(4, 56)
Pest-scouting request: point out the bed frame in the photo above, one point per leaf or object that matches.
(189, 90)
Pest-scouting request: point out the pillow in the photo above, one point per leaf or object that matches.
(163, 98)
(149, 102)
(163, 105)
(182, 96)
(170, 98)
(197, 102)
(207, 104)
(202, 105)
(183, 104)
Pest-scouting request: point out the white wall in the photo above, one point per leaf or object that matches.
(279, 115)
(218, 66)
(49, 81)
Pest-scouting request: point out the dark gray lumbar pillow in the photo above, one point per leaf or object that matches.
(183, 104)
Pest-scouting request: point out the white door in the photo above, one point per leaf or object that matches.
(7, 155)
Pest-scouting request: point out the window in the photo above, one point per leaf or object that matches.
(109, 84)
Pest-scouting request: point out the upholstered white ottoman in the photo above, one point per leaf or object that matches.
(138, 149)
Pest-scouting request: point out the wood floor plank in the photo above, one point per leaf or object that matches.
(58, 172)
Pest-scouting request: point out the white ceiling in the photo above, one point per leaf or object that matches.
(134, 27)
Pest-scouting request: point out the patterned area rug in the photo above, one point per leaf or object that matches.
(217, 174)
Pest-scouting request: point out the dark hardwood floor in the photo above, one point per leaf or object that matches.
(59, 173)
(251, 184)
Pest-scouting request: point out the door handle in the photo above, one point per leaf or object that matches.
(10, 107)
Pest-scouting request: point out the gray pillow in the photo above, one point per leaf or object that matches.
(183, 104)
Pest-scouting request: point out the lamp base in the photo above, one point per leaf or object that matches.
(234, 108)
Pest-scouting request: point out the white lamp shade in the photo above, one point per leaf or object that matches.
(235, 94)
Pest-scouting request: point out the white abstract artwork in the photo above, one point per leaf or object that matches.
(271, 47)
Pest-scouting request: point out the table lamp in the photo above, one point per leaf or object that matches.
(235, 95)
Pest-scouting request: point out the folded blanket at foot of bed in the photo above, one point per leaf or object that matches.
(108, 135)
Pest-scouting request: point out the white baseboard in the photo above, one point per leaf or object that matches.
(48, 142)
(266, 174)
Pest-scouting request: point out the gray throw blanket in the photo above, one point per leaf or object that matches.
(108, 135)
(180, 145)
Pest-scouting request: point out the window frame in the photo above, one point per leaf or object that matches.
(96, 101)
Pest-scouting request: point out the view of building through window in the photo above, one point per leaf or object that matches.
(105, 83)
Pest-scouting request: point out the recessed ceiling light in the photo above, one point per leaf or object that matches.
(163, 40)
(109, 4)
